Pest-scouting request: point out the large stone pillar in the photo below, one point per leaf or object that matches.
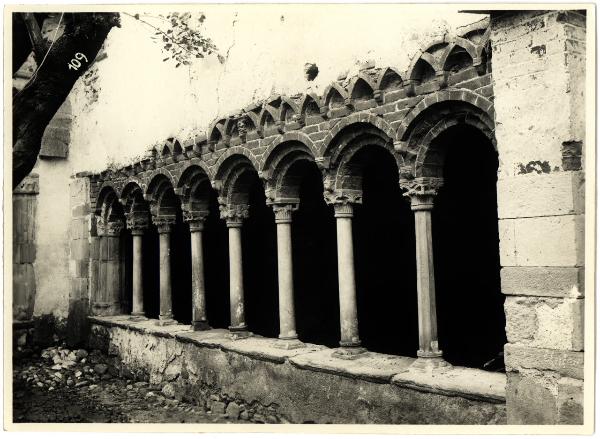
(112, 281)
(421, 192)
(288, 338)
(137, 226)
(234, 216)
(539, 63)
(350, 345)
(196, 223)
(164, 226)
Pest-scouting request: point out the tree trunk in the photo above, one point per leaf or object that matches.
(35, 105)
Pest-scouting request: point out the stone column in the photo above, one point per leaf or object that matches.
(199, 320)
(421, 192)
(288, 338)
(234, 216)
(137, 227)
(112, 282)
(350, 345)
(164, 226)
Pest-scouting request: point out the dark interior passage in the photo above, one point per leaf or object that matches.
(150, 272)
(216, 266)
(259, 256)
(385, 265)
(126, 257)
(466, 252)
(181, 271)
(314, 255)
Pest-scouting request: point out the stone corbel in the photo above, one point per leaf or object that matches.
(137, 223)
(113, 228)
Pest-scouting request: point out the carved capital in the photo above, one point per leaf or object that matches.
(137, 223)
(283, 212)
(234, 214)
(421, 191)
(113, 228)
(195, 219)
(342, 201)
(164, 224)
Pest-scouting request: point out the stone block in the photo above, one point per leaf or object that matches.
(217, 408)
(542, 322)
(543, 281)
(566, 363)
(80, 249)
(570, 401)
(532, 195)
(543, 241)
(530, 400)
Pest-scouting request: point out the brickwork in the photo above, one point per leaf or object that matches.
(538, 82)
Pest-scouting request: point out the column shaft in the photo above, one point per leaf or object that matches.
(166, 301)
(199, 320)
(236, 279)
(347, 286)
(138, 293)
(287, 318)
(428, 337)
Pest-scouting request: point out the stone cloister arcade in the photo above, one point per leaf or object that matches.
(365, 218)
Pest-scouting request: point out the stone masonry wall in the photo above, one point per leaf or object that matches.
(539, 77)
(79, 261)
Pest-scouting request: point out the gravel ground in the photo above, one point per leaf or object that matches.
(59, 385)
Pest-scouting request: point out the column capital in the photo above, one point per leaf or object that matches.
(342, 201)
(234, 214)
(283, 212)
(163, 223)
(112, 228)
(137, 223)
(195, 219)
(421, 191)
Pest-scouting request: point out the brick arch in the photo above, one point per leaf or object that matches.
(130, 186)
(220, 166)
(193, 188)
(332, 89)
(356, 118)
(422, 156)
(288, 102)
(157, 194)
(189, 171)
(147, 180)
(287, 138)
(106, 190)
(366, 79)
(280, 181)
(385, 75)
(458, 95)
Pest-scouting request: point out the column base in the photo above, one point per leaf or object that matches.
(239, 332)
(288, 343)
(430, 362)
(200, 325)
(166, 320)
(137, 316)
(349, 352)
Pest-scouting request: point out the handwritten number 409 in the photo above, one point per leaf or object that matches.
(75, 62)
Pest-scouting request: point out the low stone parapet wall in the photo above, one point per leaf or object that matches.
(250, 378)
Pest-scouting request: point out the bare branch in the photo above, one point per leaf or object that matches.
(35, 35)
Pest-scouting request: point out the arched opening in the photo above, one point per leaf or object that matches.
(259, 256)
(181, 269)
(422, 72)
(314, 255)
(216, 266)
(126, 259)
(466, 251)
(458, 59)
(150, 272)
(384, 252)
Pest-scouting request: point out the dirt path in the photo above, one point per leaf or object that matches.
(44, 393)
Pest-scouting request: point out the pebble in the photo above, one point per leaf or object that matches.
(78, 374)
(93, 386)
(129, 387)
(100, 368)
(82, 383)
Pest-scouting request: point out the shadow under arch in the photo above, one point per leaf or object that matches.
(470, 309)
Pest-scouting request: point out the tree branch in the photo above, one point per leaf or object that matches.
(35, 35)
